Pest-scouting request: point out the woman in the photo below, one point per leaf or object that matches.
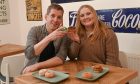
(93, 40)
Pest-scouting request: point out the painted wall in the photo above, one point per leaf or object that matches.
(10, 33)
(19, 27)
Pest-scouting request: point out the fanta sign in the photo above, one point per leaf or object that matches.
(121, 20)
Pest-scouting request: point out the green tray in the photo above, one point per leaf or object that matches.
(59, 76)
(96, 75)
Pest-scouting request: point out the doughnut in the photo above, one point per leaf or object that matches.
(87, 75)
(49, 74)
(42, 72)
(97, 68)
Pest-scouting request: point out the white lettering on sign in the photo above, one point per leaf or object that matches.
(121, 20)
(101, 17)
(73, 16)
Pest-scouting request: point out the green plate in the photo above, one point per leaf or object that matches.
(96, 75)
(59, 76)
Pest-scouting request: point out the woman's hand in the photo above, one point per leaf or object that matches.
(73, 36)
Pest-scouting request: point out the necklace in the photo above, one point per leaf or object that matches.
(89, 33)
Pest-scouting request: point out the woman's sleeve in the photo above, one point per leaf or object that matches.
(112, 49)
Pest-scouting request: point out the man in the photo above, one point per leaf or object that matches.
(46, 44)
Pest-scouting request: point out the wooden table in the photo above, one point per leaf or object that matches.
(116, 75)
(10, 49)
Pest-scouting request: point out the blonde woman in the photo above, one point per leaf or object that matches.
(93, 40)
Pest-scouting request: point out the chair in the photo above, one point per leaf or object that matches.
(11, 66)
(123, 59)
(131, 61)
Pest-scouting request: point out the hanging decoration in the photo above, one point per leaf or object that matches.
(33, 10)
(4, 12)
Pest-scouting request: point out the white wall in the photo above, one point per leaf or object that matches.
(10, 33)
(19, 27)
(26, 25)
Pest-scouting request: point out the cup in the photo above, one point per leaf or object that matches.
(72, 29)
(64, 29)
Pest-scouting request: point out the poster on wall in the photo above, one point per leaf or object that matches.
(33, 10)
(124, 20)
(4, 12)
(66, 1)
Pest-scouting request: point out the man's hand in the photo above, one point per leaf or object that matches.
(56, 34)
(31, 68)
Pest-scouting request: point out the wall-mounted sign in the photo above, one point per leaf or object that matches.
(4, 12)
(34, 10)
(125, 20)
(66, 1)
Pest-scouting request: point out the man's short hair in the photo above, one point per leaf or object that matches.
(54, 6)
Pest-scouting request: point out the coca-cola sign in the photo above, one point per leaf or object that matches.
(125, 20)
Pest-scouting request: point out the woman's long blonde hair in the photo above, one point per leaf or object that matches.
(99, 26)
